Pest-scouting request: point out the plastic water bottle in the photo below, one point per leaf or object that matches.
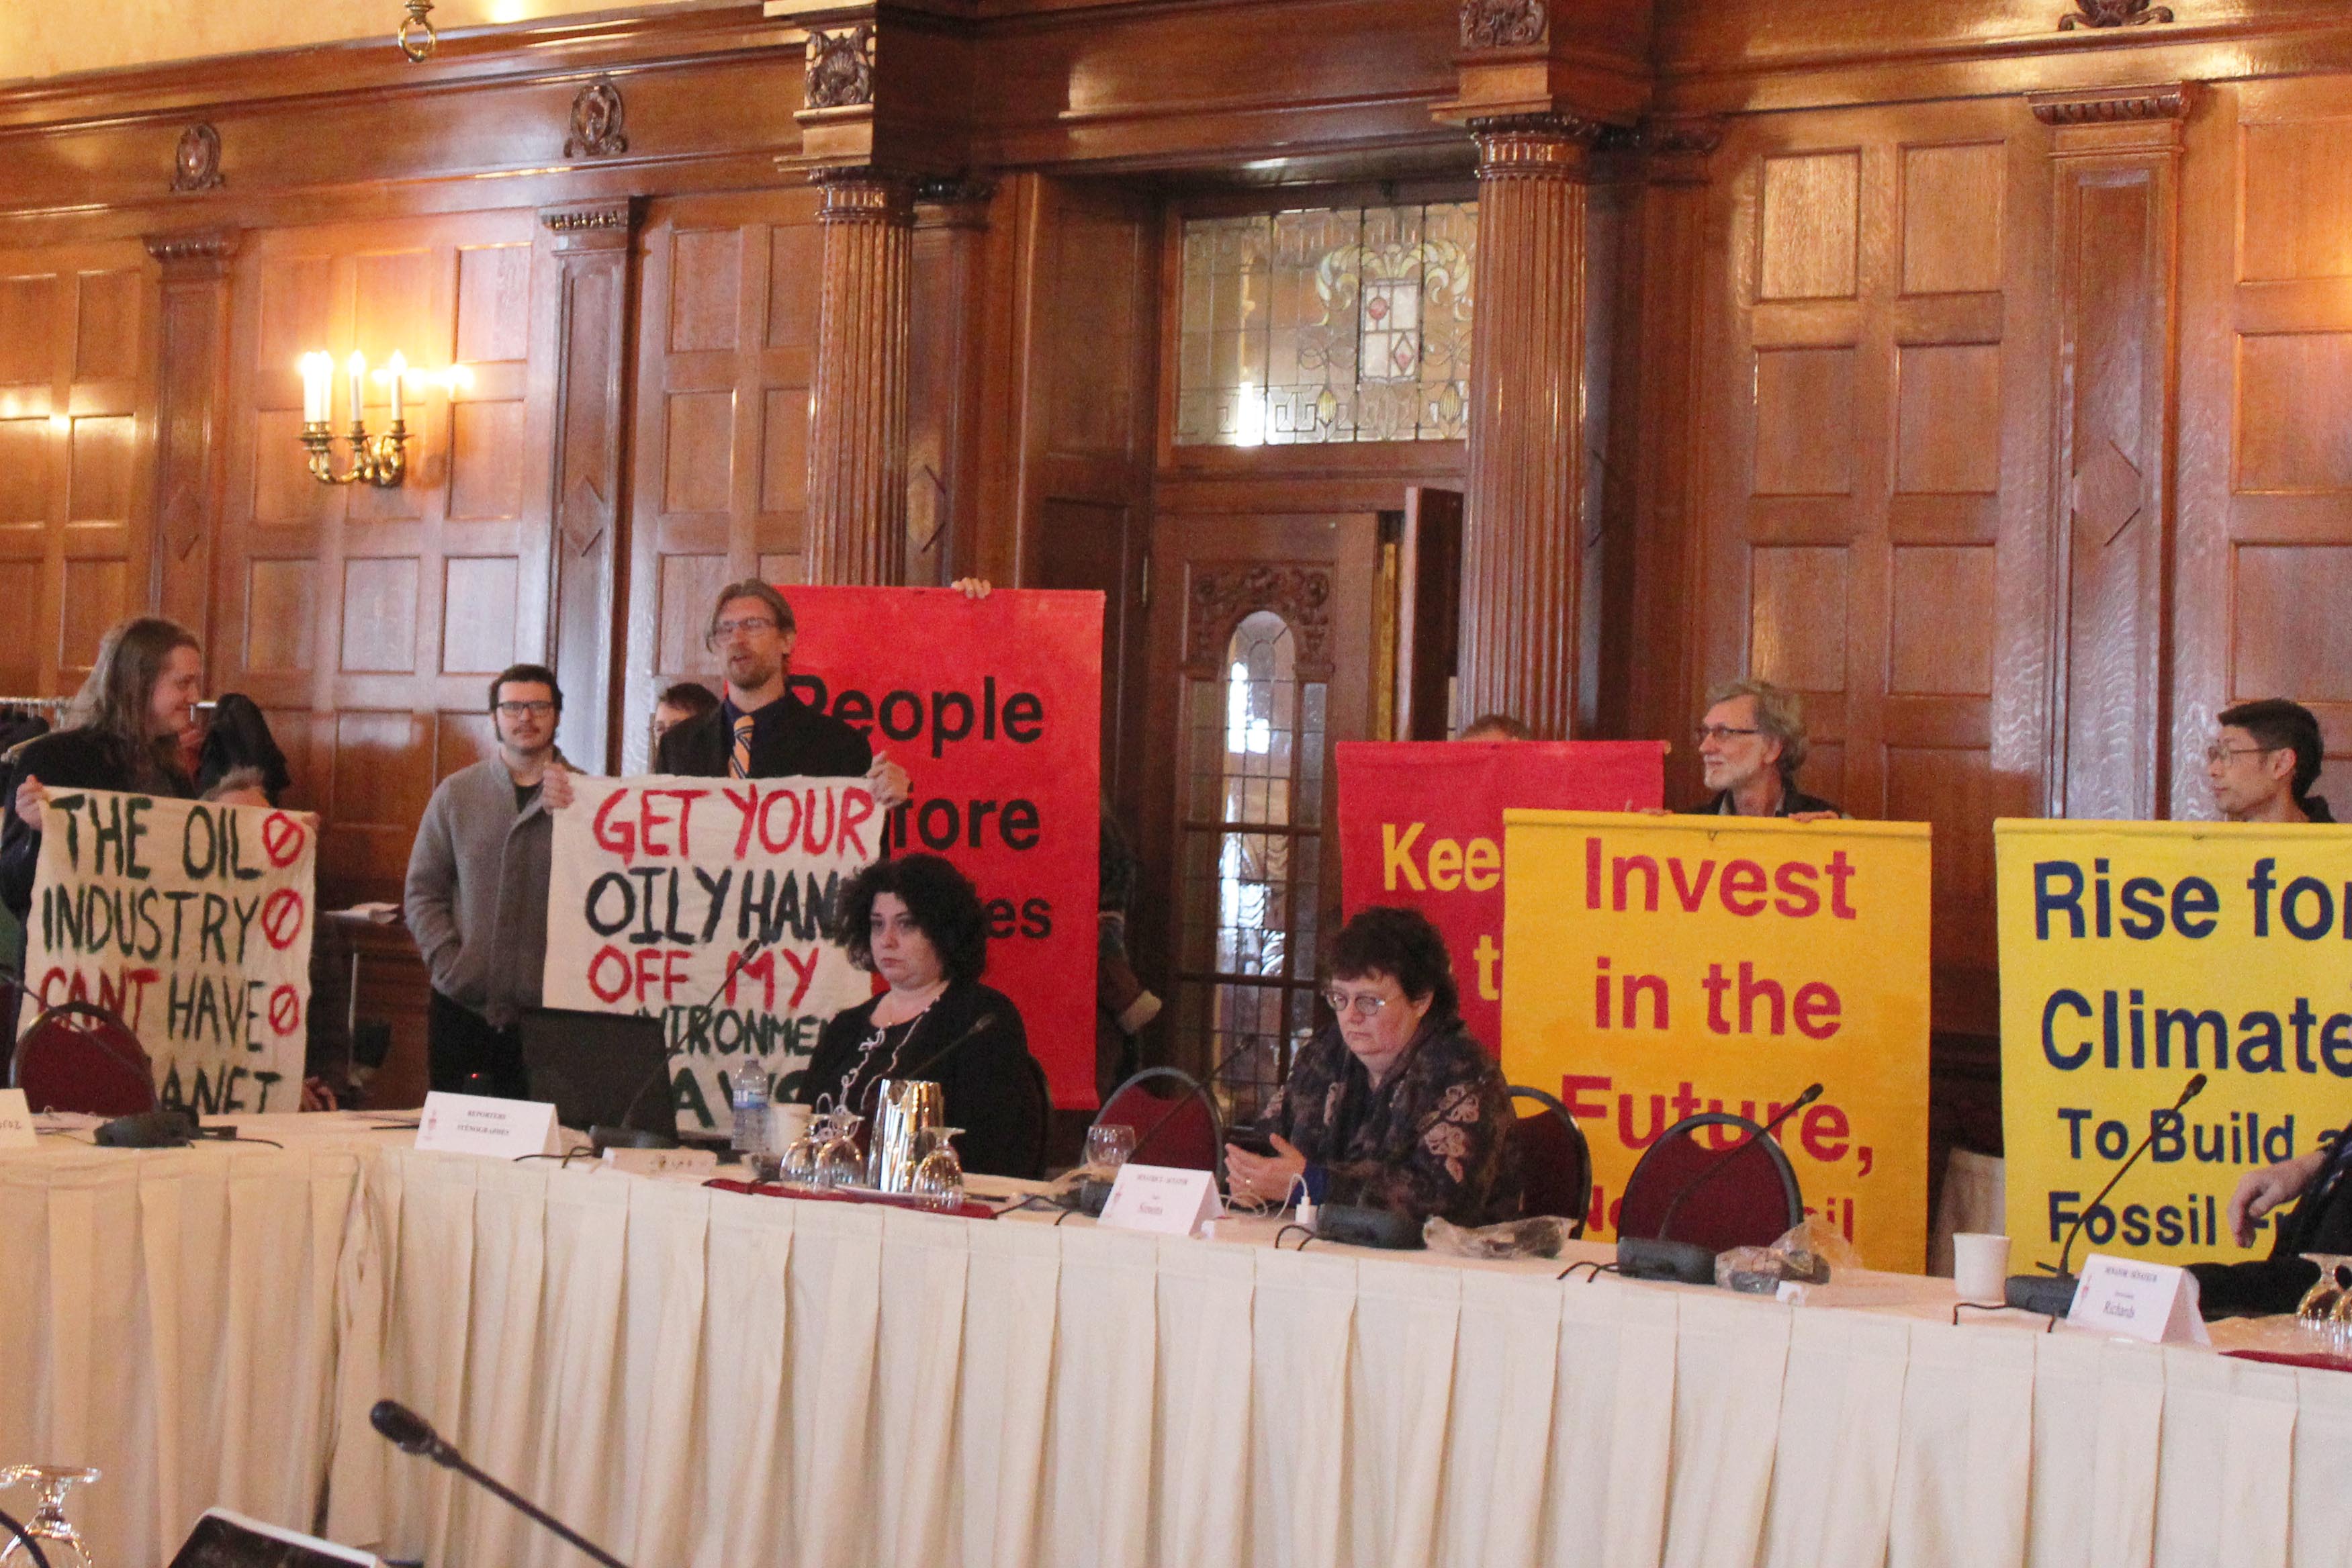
(751, 1108)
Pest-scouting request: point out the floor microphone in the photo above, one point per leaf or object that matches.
(2052, 1294)
(413, 1434)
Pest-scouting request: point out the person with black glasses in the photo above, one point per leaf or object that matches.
(477, 893)
(1393, 1106)
(2263, 761)
(1750, 745)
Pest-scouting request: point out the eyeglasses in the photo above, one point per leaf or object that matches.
(1720, 732)
(518, 710)
(1363, 1005)
(2217, 752)
(749, 626)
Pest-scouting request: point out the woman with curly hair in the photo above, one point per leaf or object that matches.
(916, 922)
(1393, 1106)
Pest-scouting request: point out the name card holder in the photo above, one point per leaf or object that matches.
(2151, 1301)
(479, 1124)
(16, 1119)
(1163, 1199)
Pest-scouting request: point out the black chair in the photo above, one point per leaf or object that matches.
(1043, 1094)
(1555, 1162)
(1175, 1120)
(1685, 1189)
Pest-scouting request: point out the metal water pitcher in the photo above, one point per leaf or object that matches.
(906, 1111)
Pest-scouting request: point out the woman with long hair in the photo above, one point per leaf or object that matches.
(132, 726)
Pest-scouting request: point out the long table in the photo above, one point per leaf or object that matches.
(698, 1376)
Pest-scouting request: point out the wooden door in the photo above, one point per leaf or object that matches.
(1262, 661)
(1428, 614)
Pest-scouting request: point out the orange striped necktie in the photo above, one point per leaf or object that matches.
(738, 766)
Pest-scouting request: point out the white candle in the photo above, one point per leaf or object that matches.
(318, 374)
(358, 367)
(399, 369)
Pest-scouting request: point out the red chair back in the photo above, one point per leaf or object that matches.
(1688, 1189)
(78, 1056)
(1175, 1123)
(1555, 1162)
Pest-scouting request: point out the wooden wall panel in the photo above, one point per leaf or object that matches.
(1875, 412)
(2264, 558)
(723, 377)
(357, 616)
(76, 423)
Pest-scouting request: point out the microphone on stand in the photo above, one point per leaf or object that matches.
(413, 1434)
(2052, 1294)
(1658, 1258)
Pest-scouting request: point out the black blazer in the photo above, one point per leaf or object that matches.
(789, 738)
(973, 1045)
(2320, 1221)
(65, 760)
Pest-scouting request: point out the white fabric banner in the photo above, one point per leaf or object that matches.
(708, 902)
(193, 921)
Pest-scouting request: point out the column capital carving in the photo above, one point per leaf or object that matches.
(1535, 146)
(2114, 105)
(590, 225)
(863, 195)
(1505, 24)
(198, 250)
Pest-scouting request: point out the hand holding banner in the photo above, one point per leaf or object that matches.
(1666, 966)
(192, 920)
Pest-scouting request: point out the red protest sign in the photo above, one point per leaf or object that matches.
(994, 708)
(1420, 824)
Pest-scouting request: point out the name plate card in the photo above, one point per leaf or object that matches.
(1162, 1198)
(16, 1119)
(2151, 1301)
(478, 1125)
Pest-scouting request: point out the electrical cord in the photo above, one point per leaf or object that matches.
(1303, 1230)
(1597, 1267)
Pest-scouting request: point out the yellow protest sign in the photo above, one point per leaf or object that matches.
(1659, 966)
(2134, 956)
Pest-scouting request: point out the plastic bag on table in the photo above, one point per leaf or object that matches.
(1805, 1256)
(1541, 1236)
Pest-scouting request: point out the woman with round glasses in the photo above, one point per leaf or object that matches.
(1393, 1106)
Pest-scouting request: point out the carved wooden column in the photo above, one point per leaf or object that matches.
(191, 448)
(1520, 555)
(2116, 161)
(857, 436)
(594, 258)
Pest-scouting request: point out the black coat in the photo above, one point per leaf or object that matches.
(2320, 1221)
(1793, 800)
(789, 739)
(972, 1044)
(67, 760)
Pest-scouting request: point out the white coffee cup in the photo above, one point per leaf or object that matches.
(1981, 1267)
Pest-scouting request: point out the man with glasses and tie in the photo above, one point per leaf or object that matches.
(477, 892)
(1750, 745)
(2262, 764)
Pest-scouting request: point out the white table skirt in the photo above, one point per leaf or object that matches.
(170, 1317)
(695, 1376)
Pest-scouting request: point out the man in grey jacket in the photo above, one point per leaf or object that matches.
(477, 894)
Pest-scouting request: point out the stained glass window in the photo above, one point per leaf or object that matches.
(1252, 862)
(1329, 324)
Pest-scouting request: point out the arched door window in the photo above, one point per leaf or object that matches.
(1251, 860)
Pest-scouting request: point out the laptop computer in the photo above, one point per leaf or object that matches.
(600, 1069)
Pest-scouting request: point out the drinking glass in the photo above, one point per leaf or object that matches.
(841, 1162)
(1109, 1147)
(59, 1541)
(939, 1175)
(2321, 1310)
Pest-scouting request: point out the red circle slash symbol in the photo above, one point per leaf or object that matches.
(285, 1011)
(281, 918)
(282, 839)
